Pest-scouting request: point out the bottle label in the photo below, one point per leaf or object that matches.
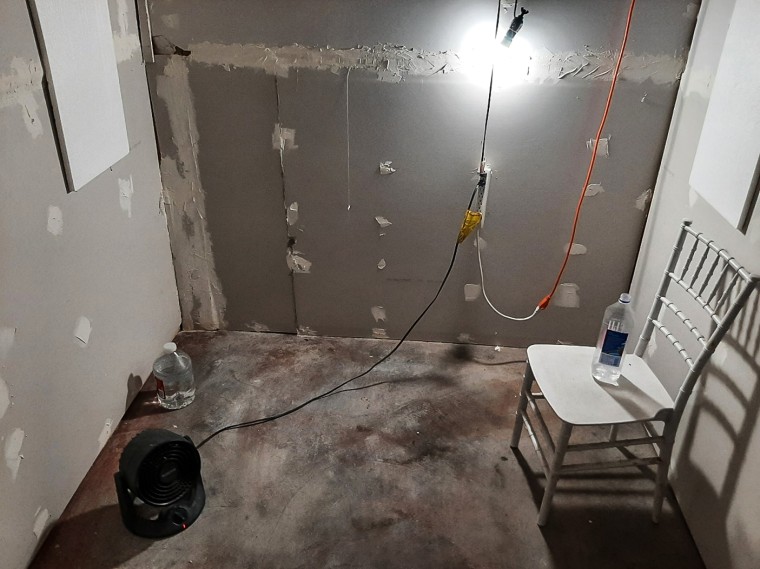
(612, 348)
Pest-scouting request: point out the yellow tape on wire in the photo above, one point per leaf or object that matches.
(470, 222)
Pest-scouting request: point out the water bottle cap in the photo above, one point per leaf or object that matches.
(625, 298)
(170, 348)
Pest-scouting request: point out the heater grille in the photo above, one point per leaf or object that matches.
(168, 472)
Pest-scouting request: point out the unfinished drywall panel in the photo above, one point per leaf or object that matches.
(98, 264)
(356, 96)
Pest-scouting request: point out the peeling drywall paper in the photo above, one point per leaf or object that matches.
(593, 190)
(306, 331)
(13, 456)
(55, 220)
(471, 292)
(297, 263)
(41, 518)
(643, 200)
(378, 313)
(385, 168)
(125, 44)
(381, 264)
(201, 299)
(379, 333)
(577, 249)
(5, 398)
(292, 213)
(19, 88)
(604, 146)
(126, 190)
(105, 434)
(382, 222)
(284, 138)
(7, 337)
(567, 296)
(82, 330)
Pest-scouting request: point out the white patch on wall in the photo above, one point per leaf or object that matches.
(379, 333)
(306, 331)
(692, 9)
(577, 249)
(55, 220)
(471, 292)
(13, 456)
(643, 200)
(19, 88)
(464, 338)
(382, 222)
(378, 313)
(386, 169)
(7, 337)
(125, 44)
(257, 327)
(604, 146)
(292, 213)
(126, 190)
(284, 138)
(171, 21)
(297, 262)
(5, 398)
(567, 296)
(593, 190)
(381, 264)
(41, 518)
(82, 330)
(480, 243)
(105, 434)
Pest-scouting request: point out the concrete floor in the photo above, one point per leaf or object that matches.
(414, 471)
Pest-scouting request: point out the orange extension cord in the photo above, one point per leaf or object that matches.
(547, 299)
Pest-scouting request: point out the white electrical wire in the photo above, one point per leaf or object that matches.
(483, 288)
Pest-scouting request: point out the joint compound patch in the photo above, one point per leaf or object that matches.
(593, 190)
(55, 220)
(604, 146)
(257, 327)
(471, 292)
(381, 264)
(41, 518)
(480, 243)
(5, 398)
(464, 338)
(577, 249)
(386, 169)
(382, 222)
(13, 456)
(306, 331)
(378, 313)
(7, 337)
(292, 213)
(379, 333)
(19, 88)
(297, 263)
(567, 296)
(643, 200)
(283, 138)
(82, 330)
(126, 190)
(105, 434)
(125, 44)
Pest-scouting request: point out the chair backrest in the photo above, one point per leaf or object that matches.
(714, 281)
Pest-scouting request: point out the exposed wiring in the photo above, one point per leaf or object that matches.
(335, 389)
(485, 295)
(490, 93)
(547, 299)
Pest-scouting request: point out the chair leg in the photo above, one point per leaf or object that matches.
(551, 483)
(527, 384)
(613, 433)
(661, 480)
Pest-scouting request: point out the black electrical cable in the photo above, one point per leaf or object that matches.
(490, 87)
(270, 418)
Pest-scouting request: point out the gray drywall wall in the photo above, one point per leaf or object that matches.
(100, 254)
(717, 461)
(410, 98)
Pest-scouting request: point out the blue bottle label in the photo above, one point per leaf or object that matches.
(612, 348)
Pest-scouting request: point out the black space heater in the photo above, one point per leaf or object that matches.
(159, 484)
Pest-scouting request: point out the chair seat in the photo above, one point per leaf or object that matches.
(563, 374)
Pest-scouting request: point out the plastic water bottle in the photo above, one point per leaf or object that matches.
(175, 384)
(613, 336)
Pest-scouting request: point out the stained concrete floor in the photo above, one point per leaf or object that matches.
(414, 471)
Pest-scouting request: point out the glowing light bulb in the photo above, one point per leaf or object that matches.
(480, 49)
